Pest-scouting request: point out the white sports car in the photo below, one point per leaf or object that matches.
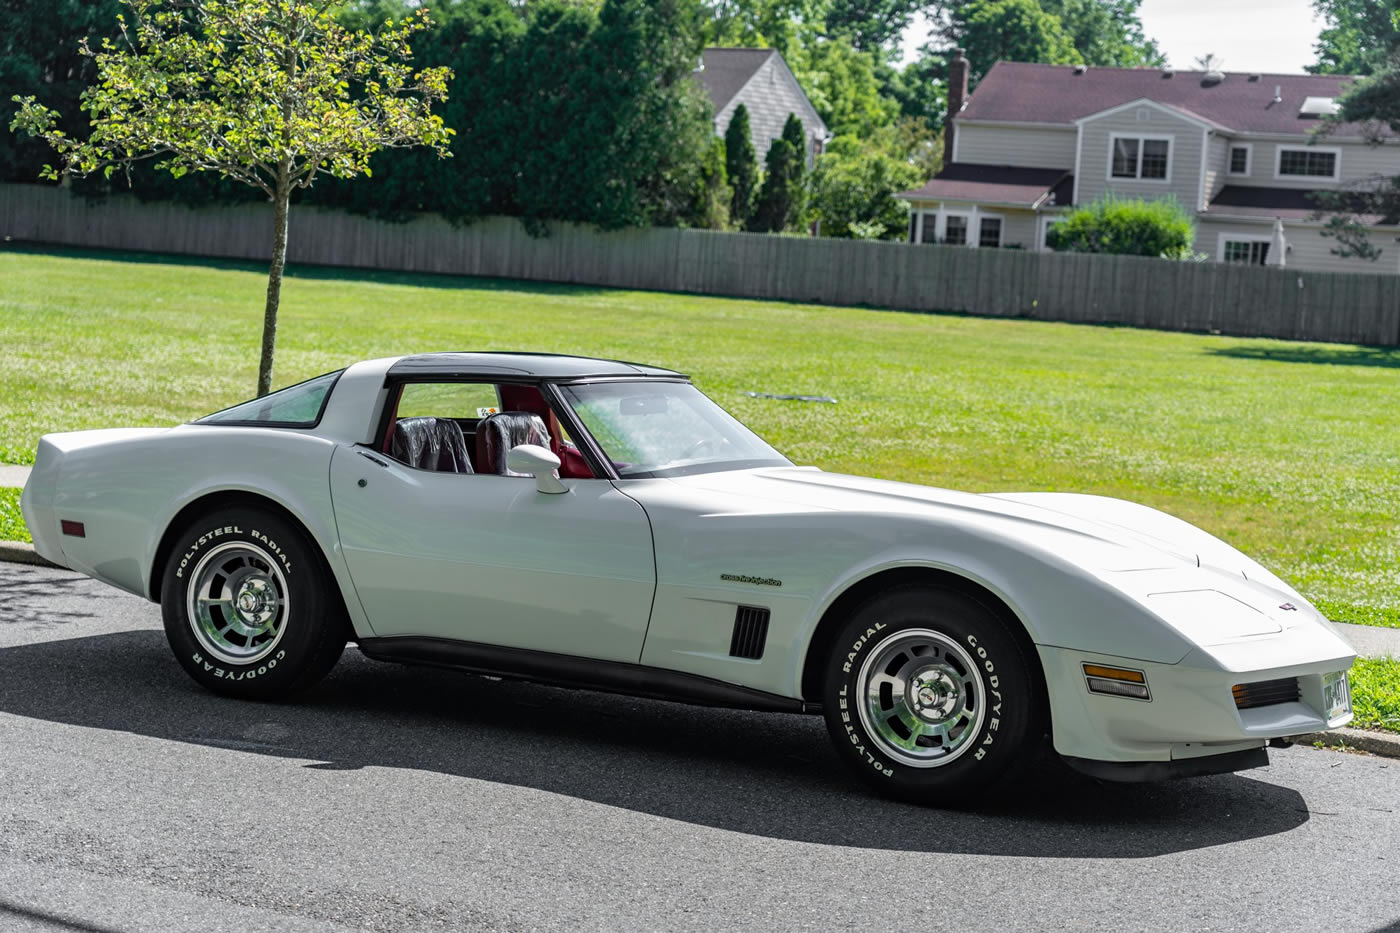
(604, 525)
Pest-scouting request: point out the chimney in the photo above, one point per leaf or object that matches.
(957, 97)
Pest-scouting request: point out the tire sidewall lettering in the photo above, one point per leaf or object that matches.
(234, 675)
(987, 671)
(214, 535)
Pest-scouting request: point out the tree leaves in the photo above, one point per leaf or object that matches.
(265, 92)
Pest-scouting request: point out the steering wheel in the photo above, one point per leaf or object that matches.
(690, 452)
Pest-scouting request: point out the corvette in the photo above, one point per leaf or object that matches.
(605, 525)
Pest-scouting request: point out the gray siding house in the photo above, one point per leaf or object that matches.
(1237, 149)
(761, 81)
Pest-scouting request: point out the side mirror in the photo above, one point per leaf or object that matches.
(530, 458)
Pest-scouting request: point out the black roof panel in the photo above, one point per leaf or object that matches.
(533, 365)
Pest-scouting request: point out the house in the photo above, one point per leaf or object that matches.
(761, 81)
(1035, 140)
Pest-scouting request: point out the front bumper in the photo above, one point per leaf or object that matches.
(1192, 712)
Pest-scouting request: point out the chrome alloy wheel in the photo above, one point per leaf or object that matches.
(920, 697)
(237, 603)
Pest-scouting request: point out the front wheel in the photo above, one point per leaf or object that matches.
(247, 606)
(930, 698)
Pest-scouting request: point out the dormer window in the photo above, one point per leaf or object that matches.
(1240, 158)
(1140, 158)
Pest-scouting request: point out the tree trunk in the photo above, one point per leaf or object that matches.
(282, 200)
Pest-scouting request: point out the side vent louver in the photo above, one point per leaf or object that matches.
(750, 632)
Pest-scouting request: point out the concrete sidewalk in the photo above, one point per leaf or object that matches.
(1371, 641)
(13, 477)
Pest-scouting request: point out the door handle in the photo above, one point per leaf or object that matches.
(372, 458)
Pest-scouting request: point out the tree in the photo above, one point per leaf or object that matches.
(741, 164)
(1356, 37)
(854, 187)
(567, 111)
(843, 84)
(921, 87)
(1127, 227)
(1374, 103)
(782, 199)
(39, 54)
(711, 195)
(1107, 33)
(758, 23)
(1011, 30)
(270, 93)
(870, 25)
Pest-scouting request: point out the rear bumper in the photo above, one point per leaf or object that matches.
(1192, 714)
(36, 504)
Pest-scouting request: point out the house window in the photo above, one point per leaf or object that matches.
(930, 234)
(913, 226)
(1239, 160)
(955, 233)
(989, 232)
(1307, 163)
(1140, 157)
(1045, 233)
(1125, 158)
(1252, 252)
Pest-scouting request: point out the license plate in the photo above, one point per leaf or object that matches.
(1336, 695)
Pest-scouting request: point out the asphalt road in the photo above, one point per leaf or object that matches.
(399, 799)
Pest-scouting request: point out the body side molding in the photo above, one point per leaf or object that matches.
(579, 673)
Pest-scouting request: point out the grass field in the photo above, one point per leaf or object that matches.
(1375, 693)
(11, 523)
(1289, 451)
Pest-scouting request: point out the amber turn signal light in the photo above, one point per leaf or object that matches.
(1116, 681)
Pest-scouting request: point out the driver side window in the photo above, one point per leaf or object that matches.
(435, 423)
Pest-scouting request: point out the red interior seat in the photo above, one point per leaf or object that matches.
(572, 465)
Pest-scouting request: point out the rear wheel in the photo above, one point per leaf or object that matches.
(930, 698)
(248, 608)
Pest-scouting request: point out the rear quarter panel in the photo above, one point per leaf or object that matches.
(127, 491)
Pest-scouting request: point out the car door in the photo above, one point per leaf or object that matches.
(491, 559)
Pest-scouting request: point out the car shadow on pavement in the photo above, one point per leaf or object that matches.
(771, 775)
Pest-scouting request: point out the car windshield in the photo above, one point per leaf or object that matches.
(657, 428)
(297, 406)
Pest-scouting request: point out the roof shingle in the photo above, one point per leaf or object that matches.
(1032, 93)
(1284, 203)
(726, 71)
(993, 184)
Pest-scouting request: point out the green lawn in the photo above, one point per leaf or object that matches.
(1289, 451)
(1375, 694)
(11, 523)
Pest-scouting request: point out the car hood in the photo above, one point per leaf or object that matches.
(1204, 588)
(1111, 534)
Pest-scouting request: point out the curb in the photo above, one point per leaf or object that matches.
(1384, 744)
(16, 552)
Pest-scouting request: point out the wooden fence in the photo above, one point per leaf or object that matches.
(1184, 296)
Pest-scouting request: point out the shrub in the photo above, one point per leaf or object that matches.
(1127, 227)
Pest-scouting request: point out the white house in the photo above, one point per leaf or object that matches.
(1237, 149)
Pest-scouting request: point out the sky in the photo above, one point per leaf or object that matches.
(1247, 35)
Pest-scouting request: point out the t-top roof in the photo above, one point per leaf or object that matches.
(1060, 94)
(549, 366)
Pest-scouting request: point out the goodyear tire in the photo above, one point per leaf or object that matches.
(249, 607)
(930, 698)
